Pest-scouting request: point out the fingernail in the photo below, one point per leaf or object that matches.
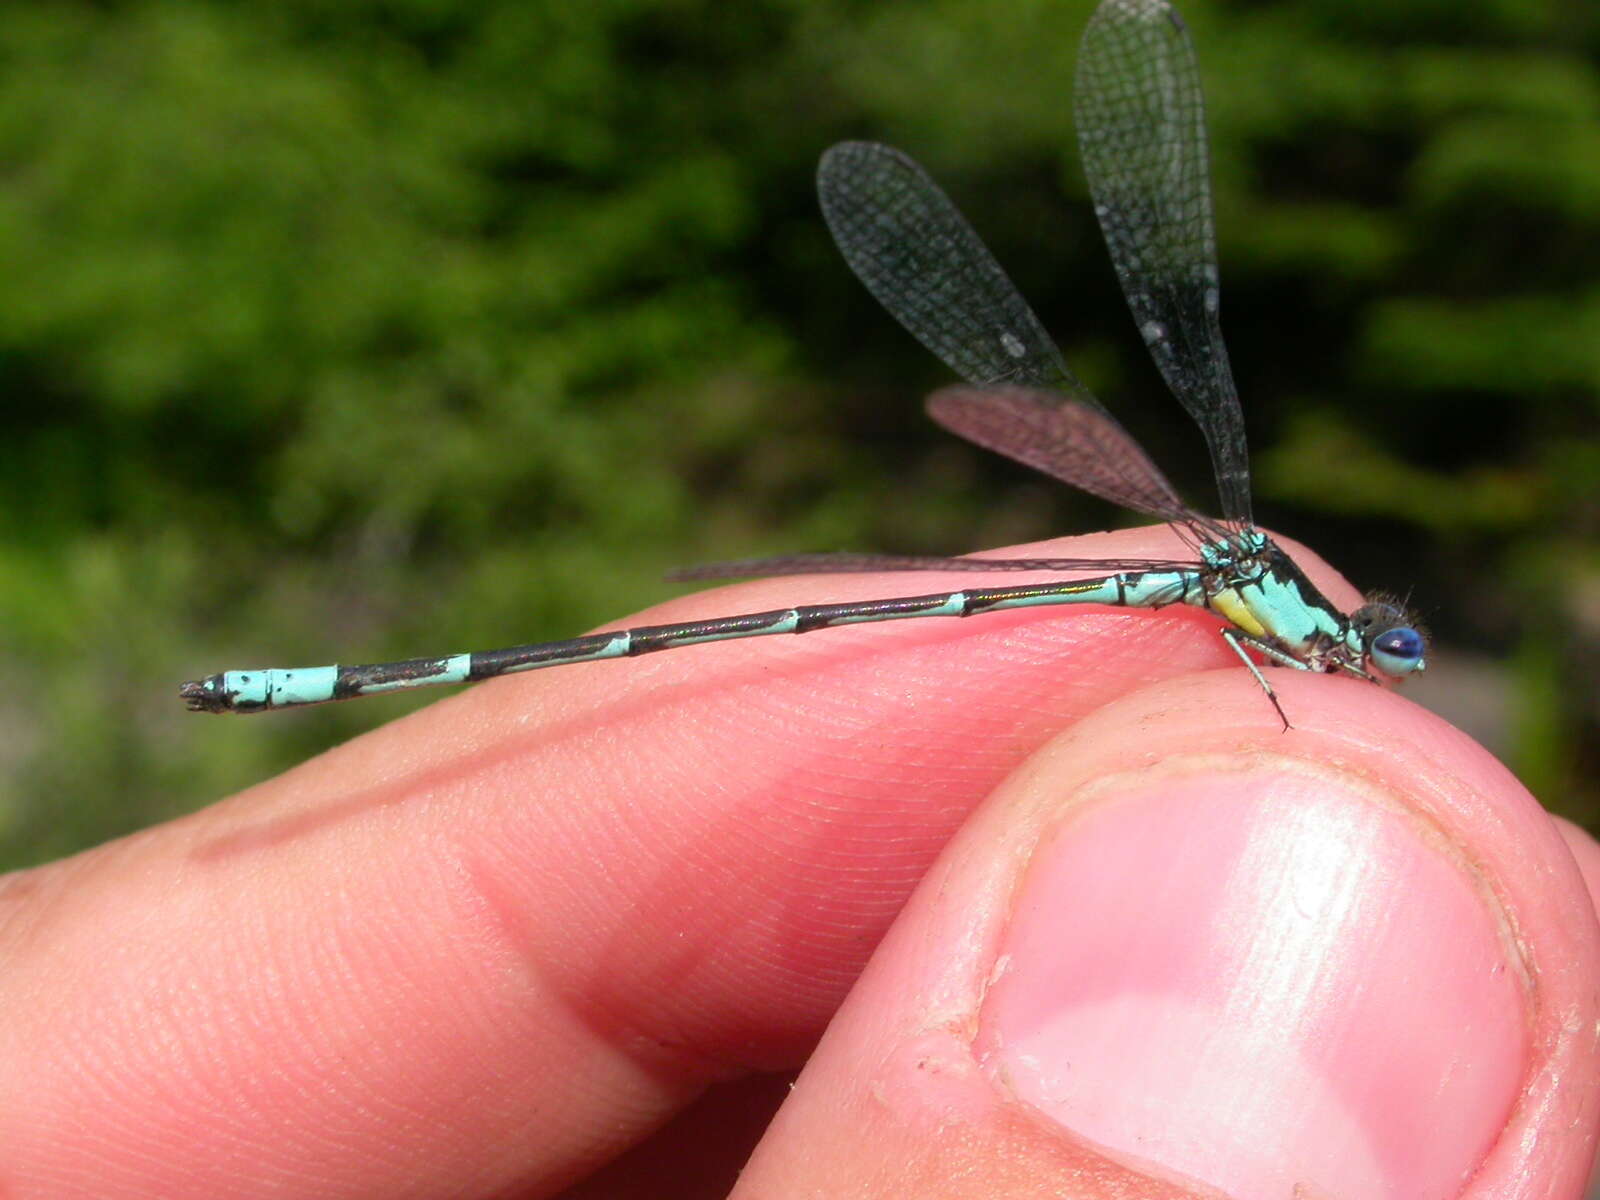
(1270, 980)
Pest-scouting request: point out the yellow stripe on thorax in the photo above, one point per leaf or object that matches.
(1233, 607)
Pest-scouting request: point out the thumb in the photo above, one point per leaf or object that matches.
(1181, 952)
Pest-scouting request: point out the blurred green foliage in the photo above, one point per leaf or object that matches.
(398, 326)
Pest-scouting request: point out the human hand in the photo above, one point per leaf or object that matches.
(572, 929)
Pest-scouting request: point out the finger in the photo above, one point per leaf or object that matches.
(1184, 952)
(1585, 849)
(495, 942)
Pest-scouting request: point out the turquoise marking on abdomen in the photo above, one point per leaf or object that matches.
(295, 685)
(617, 647)
(456, 669)
(249, 689)
(1153, 590)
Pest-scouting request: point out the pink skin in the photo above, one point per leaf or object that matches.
(487, 949)
(1004, 1001)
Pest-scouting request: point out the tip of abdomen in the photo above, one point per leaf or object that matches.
(205, 695)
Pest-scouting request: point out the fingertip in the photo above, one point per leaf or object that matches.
(1182, 947)
(1586, 851)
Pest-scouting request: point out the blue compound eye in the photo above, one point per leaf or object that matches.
(1397, 651)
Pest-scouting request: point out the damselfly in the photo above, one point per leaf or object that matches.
(1142, 136)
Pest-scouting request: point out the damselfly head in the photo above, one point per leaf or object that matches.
(1394, 646)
